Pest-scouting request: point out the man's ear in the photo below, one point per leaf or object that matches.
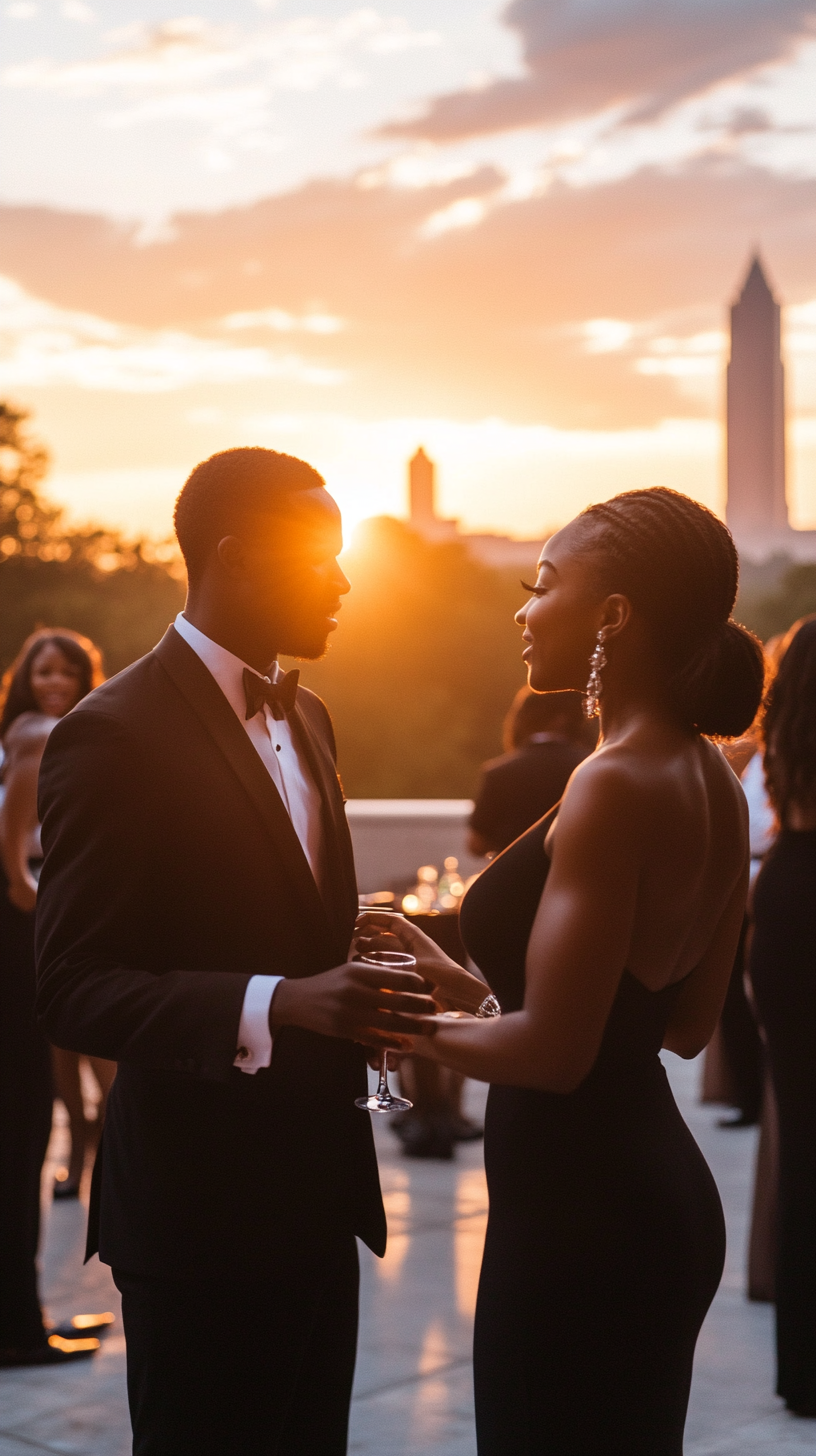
(231, 555)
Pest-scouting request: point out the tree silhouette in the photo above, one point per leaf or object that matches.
(121, 594)
(28, 525)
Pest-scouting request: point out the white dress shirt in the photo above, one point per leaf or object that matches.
(277, 748)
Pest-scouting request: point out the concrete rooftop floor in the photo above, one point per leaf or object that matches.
(413, 1389)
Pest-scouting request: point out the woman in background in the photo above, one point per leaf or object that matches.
(53, 671)
(733, 1070)
(783, 976)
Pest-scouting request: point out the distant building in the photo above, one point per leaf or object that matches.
(422, 501)
(755, 411)
(757, 505)
(422, 490)
(492, 550)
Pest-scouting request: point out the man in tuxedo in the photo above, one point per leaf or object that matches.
(195, 913)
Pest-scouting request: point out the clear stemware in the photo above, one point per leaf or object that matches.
(383, 1100)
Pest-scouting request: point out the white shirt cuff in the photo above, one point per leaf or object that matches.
(254, 1037)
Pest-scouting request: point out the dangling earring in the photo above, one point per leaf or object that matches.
(594, 688)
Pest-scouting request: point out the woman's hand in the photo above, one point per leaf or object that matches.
(23, 894)
(454, 989)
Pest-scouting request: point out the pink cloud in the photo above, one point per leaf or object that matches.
(645, 55)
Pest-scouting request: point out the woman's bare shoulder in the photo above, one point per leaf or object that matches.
(630, 784)
(605, 775)
(605, 790)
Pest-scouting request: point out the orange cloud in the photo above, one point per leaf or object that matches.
(470, 321)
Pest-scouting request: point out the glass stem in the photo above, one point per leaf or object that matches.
(382, 1086)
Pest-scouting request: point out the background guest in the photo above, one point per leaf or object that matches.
(43, 685)
(436, 1122)
(52, 672)
(546, 736)
(762, 827)
(734, 1061)
(783, 975)
(68, 1084)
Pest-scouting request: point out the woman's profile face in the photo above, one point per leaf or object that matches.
(561, 619)
(56, 683)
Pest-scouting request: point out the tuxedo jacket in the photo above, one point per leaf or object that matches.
(172, 874)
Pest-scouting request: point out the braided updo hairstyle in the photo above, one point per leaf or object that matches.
(677, 564)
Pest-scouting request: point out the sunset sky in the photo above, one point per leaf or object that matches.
(507, 232)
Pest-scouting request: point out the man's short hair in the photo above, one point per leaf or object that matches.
(223, 493)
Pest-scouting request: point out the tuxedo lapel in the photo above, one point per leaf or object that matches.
(341, 884)
(202, 693)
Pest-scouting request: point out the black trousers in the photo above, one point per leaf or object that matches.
(25, 1126)
(260, 1367)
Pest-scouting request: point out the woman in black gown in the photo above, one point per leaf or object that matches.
(606, 933)
(53, 670)
(783, 975)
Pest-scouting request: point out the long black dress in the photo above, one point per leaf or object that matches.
(783, 973)
(26, 1097)
(605, 1241)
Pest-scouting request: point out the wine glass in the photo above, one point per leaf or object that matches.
(383, 1100)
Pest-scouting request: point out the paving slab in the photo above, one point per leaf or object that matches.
(413, 1391)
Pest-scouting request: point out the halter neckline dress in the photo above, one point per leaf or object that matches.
(605, 1241)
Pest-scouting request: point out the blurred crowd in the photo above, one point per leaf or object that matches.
(763, 1059)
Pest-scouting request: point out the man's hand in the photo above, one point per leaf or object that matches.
(369, 1004)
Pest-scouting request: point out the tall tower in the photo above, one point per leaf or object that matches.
(757, 509)
(422, 491)
(422, 501)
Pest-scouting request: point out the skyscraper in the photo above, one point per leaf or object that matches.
(757, 510)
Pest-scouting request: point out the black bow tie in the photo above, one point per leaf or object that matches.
(280, 695)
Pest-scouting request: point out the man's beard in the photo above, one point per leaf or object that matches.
(305, 650)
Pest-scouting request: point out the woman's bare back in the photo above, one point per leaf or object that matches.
(693, 847)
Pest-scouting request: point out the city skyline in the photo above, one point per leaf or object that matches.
(345, 232)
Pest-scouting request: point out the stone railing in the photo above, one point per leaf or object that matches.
(393, 837)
